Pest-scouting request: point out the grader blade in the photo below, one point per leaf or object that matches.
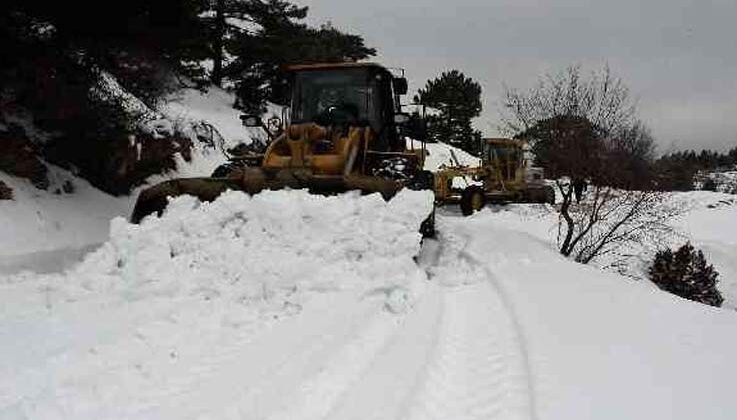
(154, 200)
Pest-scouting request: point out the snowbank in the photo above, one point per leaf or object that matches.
(116, 330)
(274, 243)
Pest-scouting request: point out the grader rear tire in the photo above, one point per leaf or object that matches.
(472, 200)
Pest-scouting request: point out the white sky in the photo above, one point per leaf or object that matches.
(679, 57)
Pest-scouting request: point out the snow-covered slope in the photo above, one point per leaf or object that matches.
(43, 221)
(599, 345)
(214, 106)
(723, 179)
(44, 230)
(707, 219)
(711, 225)
(439, 154)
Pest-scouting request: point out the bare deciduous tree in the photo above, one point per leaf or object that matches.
(602, 99)
(610, 220)
(584, 132)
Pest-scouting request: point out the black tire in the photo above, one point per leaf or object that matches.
(472, 199)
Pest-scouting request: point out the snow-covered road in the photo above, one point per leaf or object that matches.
(290, 306)
(338, 357)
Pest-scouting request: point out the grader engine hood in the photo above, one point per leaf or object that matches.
(317, 149)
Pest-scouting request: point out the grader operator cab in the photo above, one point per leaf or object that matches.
(344, 133)
(505, 176)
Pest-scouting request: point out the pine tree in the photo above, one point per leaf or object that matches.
(458, 100)
(685, 273)
(275, 37)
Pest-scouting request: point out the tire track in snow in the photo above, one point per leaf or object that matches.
(248, 366)
(373, 376)
(480, 367)
(252, 378)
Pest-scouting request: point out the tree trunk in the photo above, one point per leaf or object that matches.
(217, 45)
(565, 247)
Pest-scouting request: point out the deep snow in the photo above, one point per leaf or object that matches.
(600, 345)
(147, 309)
(288, 305)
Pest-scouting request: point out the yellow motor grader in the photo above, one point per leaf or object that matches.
(504, 176)
(344, 133)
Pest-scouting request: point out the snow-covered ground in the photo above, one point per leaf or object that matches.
(292, 306)
(38, 221)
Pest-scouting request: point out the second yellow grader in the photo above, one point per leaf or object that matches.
(506, 175)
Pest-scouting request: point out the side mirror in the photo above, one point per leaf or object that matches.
(251, 120)
(401, 118)
(400, 85)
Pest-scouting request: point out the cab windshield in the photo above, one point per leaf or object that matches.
(506, 157)
(336, 96)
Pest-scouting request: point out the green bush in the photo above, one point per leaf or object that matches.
(685, 273)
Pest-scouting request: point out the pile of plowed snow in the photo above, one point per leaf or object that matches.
(270, 248)
(187, 302)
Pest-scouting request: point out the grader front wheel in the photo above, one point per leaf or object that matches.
(473, 199)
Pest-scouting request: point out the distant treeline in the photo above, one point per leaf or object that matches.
(676, 170)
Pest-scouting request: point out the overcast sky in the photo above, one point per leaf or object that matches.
(678, 57)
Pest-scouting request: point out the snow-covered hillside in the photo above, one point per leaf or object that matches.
(720, 180)
(711, 225)
(51, 227)
(44, 228)
(441, 154)
(707, 219)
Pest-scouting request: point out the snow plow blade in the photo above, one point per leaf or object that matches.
(154, 200)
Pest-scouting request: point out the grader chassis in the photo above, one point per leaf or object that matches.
(504, 176)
